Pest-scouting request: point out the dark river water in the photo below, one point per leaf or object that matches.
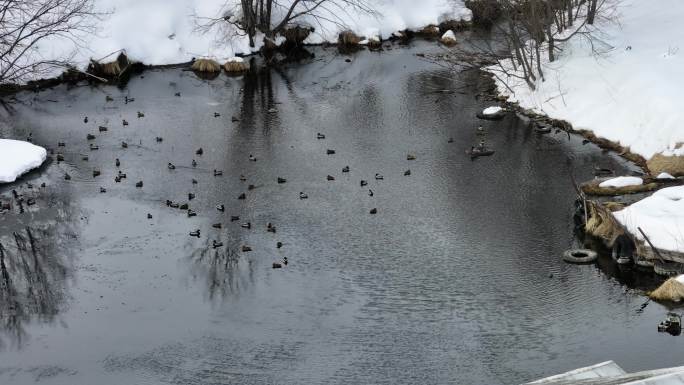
(457, 279)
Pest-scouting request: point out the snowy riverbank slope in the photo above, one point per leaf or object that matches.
(631, 94)
(165, 31)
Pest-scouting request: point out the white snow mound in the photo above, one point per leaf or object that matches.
(18, 157)
(664, 175)
(622, 181)
(660, 216)
(449, 35)
(492, 110)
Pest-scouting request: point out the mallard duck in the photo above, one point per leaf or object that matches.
(410, 157)
(194, 181)
(216, 244)
(303, 196)
(171, 166)
(330, 177)
(140, 115)
(184, 206)
(242, 196)
(117, 162)
(96, 173)
(379, 177)
(195, 233)
(407, 172)
(270, 228)
(177, 94)
(252, 158)
(61, 144)
(251, 187)
(159, 139)
(246, 249)
(124, 145)
(191, 213)
(109, 98)
(374, 211)
(277, 265)
(67, 176)
(103, 190)
(330, 152)
(247, 225)
(149, 216)
(218, 172)
(345, 169)
(320, 136)
(117, 179)
(124, 122)
(370, 192)
(174, 205)
(90, 137)
(221, 208)
(191, 196)
(279, 245)
(451, 140)
(85, 120)
(216, 225)
(102, 128)
(285, 261)
(234, 218)
(199, 151)
(139, 184)
(216, 114)
(364, 183)
(122, 175)
(84, 158)
(128, 100)
(243, 178)
(194, 163)
(60, 157)
(282, 180)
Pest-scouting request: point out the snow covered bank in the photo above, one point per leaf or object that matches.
(661, 216)
(165, 31)
(17, 158)
(630, 94)
(622, 181)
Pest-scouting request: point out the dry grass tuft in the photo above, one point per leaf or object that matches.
(347, 38)
(235, 66)
(670, 164)
(206, 65)
(670, 290)
(602, 224)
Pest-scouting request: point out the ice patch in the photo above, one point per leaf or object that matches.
(664, 175)
(18, 157)
(491, 110)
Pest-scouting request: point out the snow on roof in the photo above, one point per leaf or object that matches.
(18, 157)
(660, 216)
(622, 181)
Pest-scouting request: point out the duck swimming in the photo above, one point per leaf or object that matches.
(410, 157)
(379, 177)
(184, 206)
(303, 196)
(330, 152)
(194, 163)
(85, 120)
(124, 122)
(374, 211)
(221, 208)
(195, 233)
(140, 115)
(96, 173)
(364, 183)
(243, 178)
(246, 249)
(216, 244)
(216, 225)
(242, 196)
(117, 162)
(279, 245)
(159, 139)
(330, 177)
(171, 166)
(199, 151)
(252, 158)
(191, 213)
(234, 218)
(218, 172)
(320, 136)
(124, 145)
(270, 228)
(251, 187)
(94, 147)
(216, 114)
(102, 128)
(407, 172)
(345, 169)
(247, 225)
(90, 137)
(282, 180)
(370, 192)
(191, 196)
(139, 184)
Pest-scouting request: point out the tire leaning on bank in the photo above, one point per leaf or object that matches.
(580, 256)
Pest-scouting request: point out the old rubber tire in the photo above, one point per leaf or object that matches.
(580, 256)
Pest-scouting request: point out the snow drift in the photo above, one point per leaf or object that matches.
(18, 157)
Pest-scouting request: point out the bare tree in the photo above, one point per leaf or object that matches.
(273, 17)
(531, 33)
(25, 24)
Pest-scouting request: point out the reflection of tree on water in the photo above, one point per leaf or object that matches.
(223, 270)
(32, 283)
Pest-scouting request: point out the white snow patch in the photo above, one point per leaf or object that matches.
(632, 93)
(622, 181)
(449, 35)
(680, 278)
(491, 110)
(18, 157)
(660, 216)
(235, 59)
(664, 175)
